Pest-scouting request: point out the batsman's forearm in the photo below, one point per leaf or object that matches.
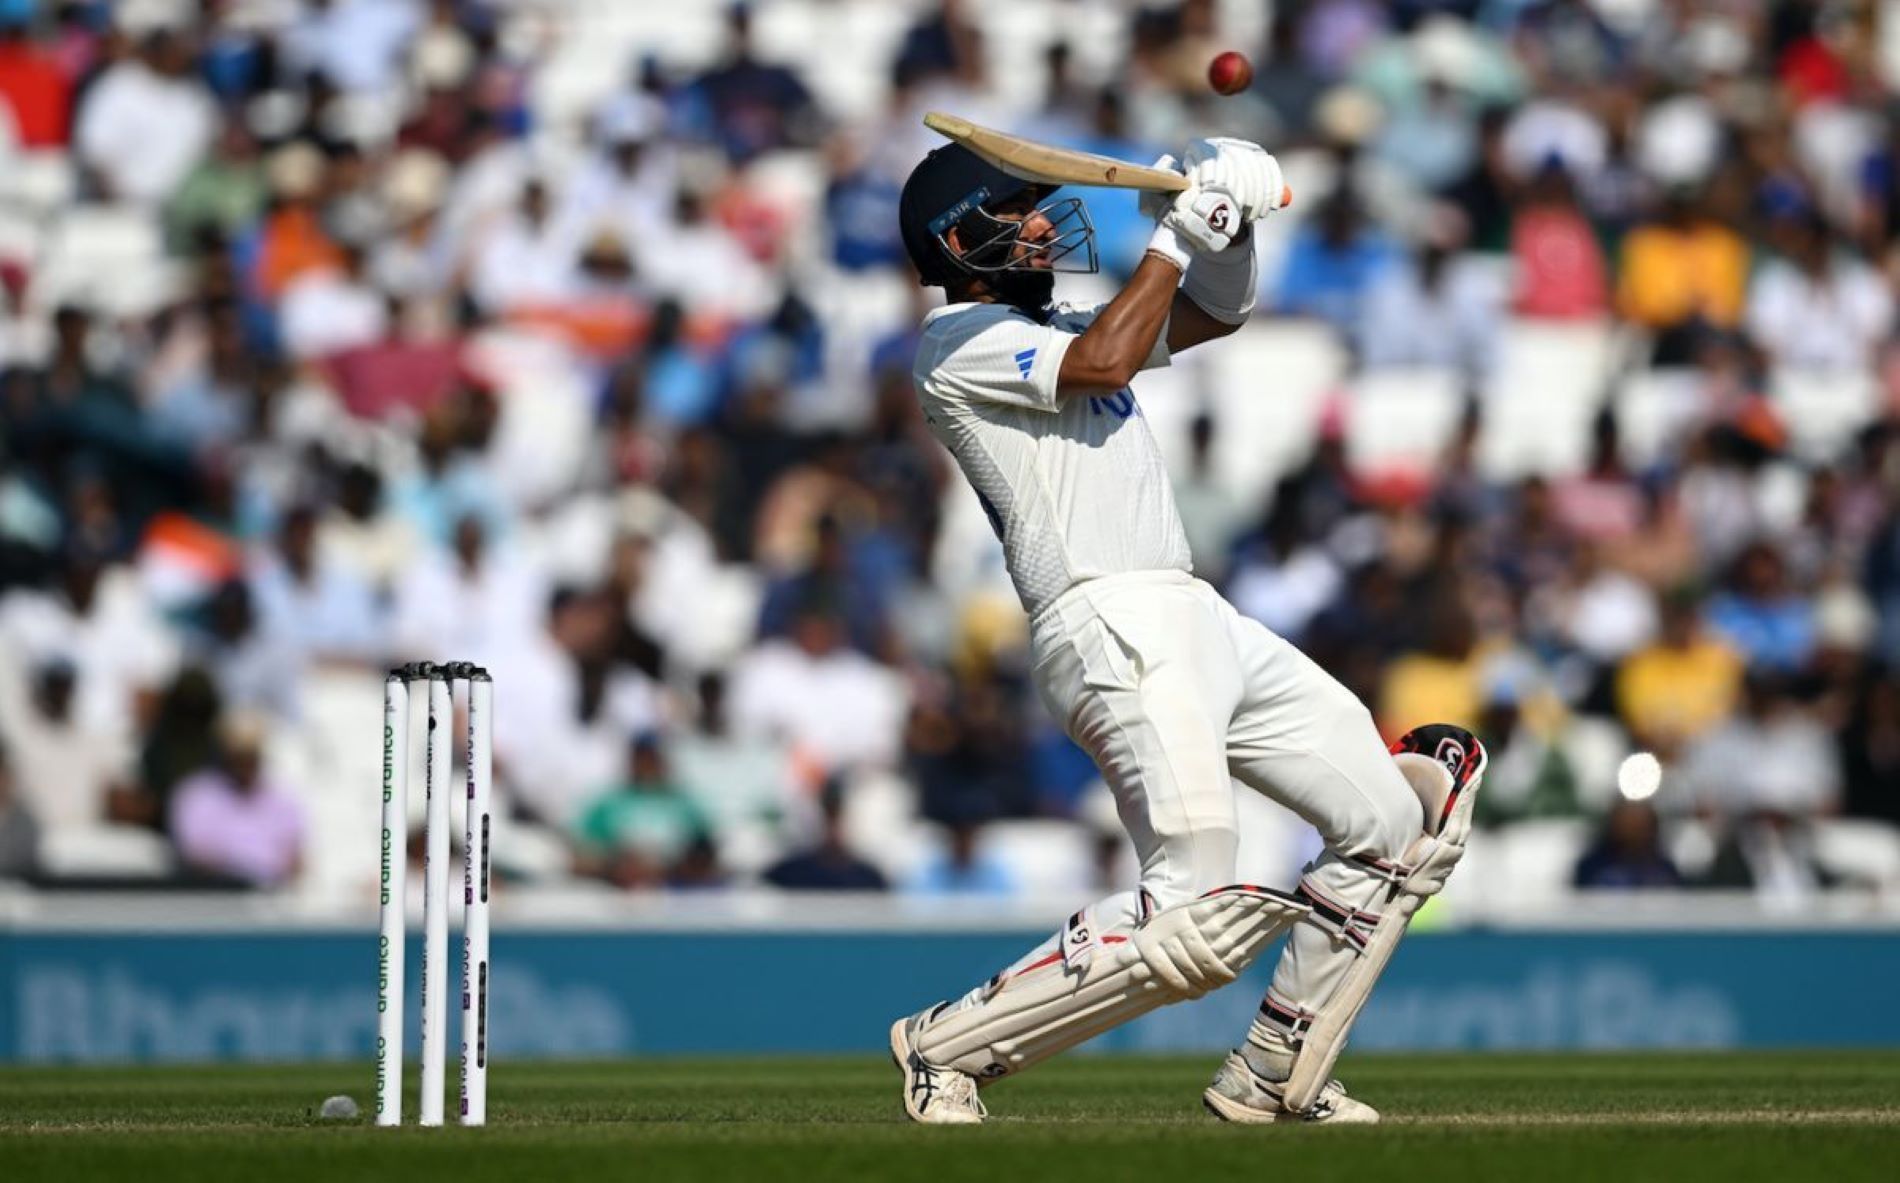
(1110, 352)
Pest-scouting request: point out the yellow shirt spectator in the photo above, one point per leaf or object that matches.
(1427, 687)
(1430, 688)
(1671, 273)
(1675, 692)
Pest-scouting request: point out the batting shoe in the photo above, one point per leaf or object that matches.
(1239, 1094)
(932, 1095)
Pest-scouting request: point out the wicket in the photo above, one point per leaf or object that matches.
(399, 691)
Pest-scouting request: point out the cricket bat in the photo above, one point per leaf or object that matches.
(1050, 165)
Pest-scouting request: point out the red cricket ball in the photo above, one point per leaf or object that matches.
(1229, 73)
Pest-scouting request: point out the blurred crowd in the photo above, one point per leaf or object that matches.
(338, 333)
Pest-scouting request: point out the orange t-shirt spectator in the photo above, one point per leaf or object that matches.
(294, 244)
(293, 238)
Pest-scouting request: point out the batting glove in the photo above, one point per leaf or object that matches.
(1202, 220)
(1244, 169)
(1154, 202)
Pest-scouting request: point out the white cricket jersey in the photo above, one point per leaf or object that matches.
(1076, 487)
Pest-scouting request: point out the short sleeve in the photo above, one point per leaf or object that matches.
(1074, 320)
(991, 353)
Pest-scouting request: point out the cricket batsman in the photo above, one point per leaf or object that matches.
(1173, 693)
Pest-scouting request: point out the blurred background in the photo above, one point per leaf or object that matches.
(573, 337)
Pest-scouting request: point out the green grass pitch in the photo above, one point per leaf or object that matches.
(1783, 1117)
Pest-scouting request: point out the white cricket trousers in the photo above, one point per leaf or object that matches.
(1177, 696)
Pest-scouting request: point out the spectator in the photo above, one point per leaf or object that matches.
(571, 705)
(101, 622)
(329, 310)
(962, 869)
(965, 750)
(861, 211)
(1774, 757)
(1336, 258)
(220, 197)
(635, 832)
(1680, 685)
(1681, 274)
(734, 778)
(1561, 271)
(755, 106)
(1679, 140)
(362, 536)
(1488, 189)
(1442, 310)
(1816, 307)
(182, 739)
(1441, 679)
(210, 401)
(1627, 853)
(232, 822)
(1553, 134)
(1881, 576)
(1718, 490)
(1772, 854)
(452, 484)
(856, 598)
(34, 90)
(1603, 613)
(674, 382)
(1770, 623)
(1433, 139)
(835, 707)
(698, 869)
(1288, 81)
(1284, 578)
(829, 864)
(412, 262)
(1603, 503)
(292, 238)
(78, 419)
(1531, 773)
(525, 257)
(358, 45)
(254, 670)
(144, 123)
(67, 775)
(704, 266)
(311, 607)
(466, 601)
(628, 183)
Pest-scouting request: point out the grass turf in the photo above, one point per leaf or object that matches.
(1549, 1119)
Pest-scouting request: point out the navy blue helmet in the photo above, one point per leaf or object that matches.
(953, 187)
